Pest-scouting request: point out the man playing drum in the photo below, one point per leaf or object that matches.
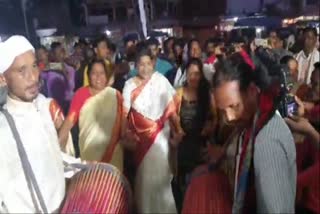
(31, 165)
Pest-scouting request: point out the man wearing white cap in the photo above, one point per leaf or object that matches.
(31, 169)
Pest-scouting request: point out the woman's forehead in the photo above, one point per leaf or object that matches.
(145, 59)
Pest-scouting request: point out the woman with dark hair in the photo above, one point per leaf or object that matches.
(149, 107)
(178, 52)
(102, 48)
(168, 49)
(97, 109)
(193, 51)
(193, 102)
(178, 59)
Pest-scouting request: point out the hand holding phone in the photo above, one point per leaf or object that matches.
(292, 106)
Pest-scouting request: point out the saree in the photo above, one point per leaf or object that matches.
(99, 119)
(149, 107)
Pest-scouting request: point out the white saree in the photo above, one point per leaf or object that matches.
(100, 128)
(147, 106)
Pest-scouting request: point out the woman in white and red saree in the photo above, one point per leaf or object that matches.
(149, 104)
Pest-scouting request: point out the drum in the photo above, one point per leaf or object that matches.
(208, 192)
(98, 188)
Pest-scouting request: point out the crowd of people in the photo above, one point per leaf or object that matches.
(193, 128)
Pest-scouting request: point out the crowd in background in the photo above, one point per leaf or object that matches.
(192, 75)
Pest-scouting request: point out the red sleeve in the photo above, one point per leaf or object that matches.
(211, 59)
(315, 114)
(247, 59)
(77, 102)
(306, 177)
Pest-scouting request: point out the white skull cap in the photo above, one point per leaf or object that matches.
(11, 48)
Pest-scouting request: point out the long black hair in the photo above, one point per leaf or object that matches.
(268, 81)
(203, 93)
(179, 58)
(143, 50)
(235, 68)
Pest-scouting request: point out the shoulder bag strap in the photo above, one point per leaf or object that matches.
(28, 172)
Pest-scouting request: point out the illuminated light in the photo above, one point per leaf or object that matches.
(168, 31)
(46, 32)
(258, 30)
(235, 19)
(108, 32)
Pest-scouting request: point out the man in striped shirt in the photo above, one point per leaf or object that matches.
(272, 175)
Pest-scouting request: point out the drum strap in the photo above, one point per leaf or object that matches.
(27, 169)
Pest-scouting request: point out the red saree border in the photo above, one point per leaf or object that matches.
(116, 131)
(147, 130)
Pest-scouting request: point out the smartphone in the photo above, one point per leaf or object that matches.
(56, 66)
(292, 106)
(261, 42)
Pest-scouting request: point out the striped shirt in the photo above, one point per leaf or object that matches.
(275, 168)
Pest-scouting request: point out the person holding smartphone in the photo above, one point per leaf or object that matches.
(308, 186)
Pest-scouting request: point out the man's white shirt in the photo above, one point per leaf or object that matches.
(306, 63)
(39, 137)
